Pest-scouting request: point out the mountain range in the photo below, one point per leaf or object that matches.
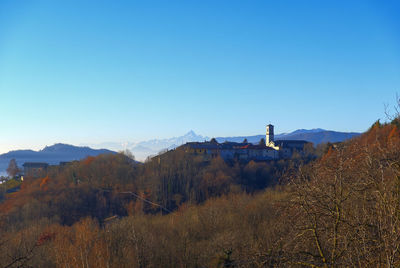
(141, 150)
(316, 136)
(50, 154)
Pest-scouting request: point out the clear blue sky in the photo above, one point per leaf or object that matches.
(94, 71)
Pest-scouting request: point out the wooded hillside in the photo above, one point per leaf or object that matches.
(341, 209)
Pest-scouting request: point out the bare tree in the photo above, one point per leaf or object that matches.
(12, 169)
(128, 154)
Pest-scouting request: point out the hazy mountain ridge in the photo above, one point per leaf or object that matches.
(318, 137)
(50, 154)
(141, 150)
(315, 136)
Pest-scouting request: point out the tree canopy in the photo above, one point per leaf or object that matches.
(12, 169)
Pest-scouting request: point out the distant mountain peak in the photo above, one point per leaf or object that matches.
(150, 147)
(61, 147)
(190, 133)
(54, 154)
(314, 130)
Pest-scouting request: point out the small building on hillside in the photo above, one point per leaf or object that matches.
(34, 168)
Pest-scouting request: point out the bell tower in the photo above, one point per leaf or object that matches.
(269, 137)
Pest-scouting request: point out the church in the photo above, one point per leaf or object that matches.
(271, 150)
(284, 147)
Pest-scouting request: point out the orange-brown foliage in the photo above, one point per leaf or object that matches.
(89, 160)
(44, 182)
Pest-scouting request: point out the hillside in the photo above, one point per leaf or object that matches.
(340, 210)
(141, 150)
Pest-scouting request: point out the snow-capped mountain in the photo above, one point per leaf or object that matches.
(141, 150)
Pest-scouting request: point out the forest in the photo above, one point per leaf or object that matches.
(337, 206)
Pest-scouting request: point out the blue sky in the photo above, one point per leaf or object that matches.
(96, 71)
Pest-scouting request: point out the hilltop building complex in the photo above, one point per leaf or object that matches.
(34, 168)
(271, 150)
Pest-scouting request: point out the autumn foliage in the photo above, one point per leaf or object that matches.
(340, 210)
